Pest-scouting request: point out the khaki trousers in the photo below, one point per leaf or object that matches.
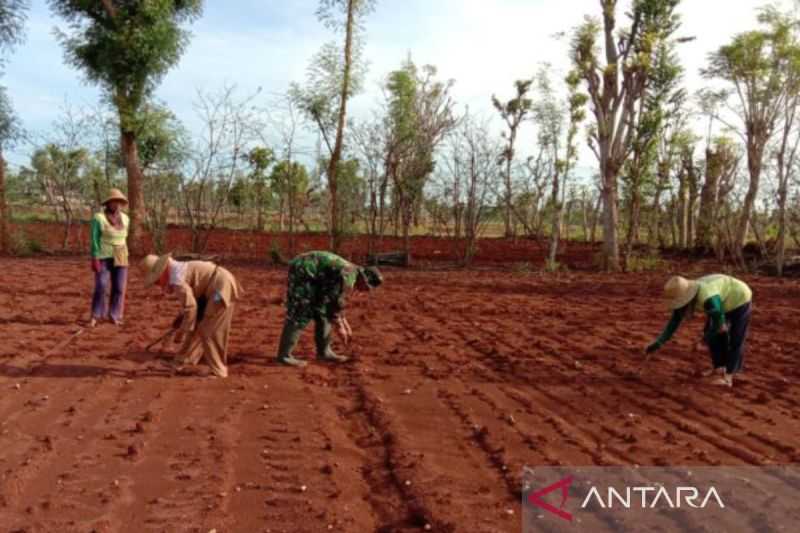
(210, 339)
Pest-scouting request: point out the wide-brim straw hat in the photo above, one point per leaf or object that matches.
(152, 267)
(679, 291)
(115, 194)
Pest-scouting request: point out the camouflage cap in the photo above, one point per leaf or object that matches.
(371, 276)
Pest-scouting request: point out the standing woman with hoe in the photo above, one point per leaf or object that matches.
(109, 234)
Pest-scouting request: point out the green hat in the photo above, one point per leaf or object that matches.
(371, 276)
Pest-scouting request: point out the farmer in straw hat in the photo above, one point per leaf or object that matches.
(318, 285)
(109, 250)
(727, 304)
(207, 293)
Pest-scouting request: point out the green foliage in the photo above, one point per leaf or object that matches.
(260, 158)
(290, 179)
(10, 127)
(420, 114)
(638, 262)
(333, 13)
(162, 140)
(62, 172)
(351, 186)
(554, 266)
(125, 47)
(763, 65)
(402, 85)
(321, 97)
(514, 112)
(13, 14)
(22, 245)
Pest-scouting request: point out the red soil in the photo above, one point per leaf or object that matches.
(458, 380)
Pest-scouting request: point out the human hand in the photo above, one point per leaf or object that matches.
(95, 265)
(343, 330)
(652, 348)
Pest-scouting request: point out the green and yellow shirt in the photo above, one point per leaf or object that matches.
(105, 236)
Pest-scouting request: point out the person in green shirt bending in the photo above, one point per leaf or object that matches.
(318, 285)
(727, 304)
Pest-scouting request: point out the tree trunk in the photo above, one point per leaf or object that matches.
(708, 199)
(136, 209)
(596, 216)
(508, 231)
(755, 153)
(4, 214)
(585, 217)
(333, 164)
(691, 175)
(682, 206)
(555, 230)
(610, 220)
(780, 245)
(634, 214)
(663, 179)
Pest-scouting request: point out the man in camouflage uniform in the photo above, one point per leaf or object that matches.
(318, 285)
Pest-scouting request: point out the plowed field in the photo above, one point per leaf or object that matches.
(457, 380)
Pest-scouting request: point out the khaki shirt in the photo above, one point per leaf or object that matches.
(199, 280)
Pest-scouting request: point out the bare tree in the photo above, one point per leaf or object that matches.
(370, 145)
(513, 113)
(472, 170)
(63, 166)
(228, 127)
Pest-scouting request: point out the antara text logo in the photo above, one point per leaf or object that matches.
(629, 497)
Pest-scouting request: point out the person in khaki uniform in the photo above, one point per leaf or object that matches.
(208, 294)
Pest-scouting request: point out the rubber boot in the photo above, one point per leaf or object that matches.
(322, 338)
(289, 337)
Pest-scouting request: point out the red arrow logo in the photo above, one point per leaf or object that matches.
(536, 498)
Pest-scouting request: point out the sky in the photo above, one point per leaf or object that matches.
(483, 45)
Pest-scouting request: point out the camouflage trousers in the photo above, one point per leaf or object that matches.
(292, 331)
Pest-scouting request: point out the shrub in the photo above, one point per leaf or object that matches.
(645, 263)
(276, 254)
(23, 245)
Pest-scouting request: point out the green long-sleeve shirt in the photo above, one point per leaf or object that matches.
(104, 236)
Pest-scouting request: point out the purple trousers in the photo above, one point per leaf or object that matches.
(111, 280)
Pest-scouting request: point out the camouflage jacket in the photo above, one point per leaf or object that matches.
(318, 283)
